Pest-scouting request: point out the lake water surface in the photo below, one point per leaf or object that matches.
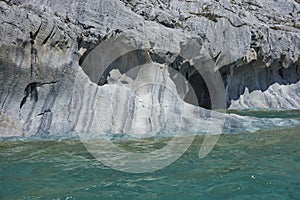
(260, 165)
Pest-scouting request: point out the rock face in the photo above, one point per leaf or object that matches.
(276, 96)
(254, 45)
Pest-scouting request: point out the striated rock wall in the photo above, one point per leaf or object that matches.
(253, 44)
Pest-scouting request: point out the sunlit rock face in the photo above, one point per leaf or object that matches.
(253, 44)
(276, 96)
(145, 106)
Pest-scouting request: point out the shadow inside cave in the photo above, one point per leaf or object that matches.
(253, 76)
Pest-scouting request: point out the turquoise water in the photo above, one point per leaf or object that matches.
(261, 165)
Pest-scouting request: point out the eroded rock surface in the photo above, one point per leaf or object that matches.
(253, 44)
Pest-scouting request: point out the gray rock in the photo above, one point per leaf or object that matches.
(276, 96)
(254, 45)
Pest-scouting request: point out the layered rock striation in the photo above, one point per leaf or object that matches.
(44, 45)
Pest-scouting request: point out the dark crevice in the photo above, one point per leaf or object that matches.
(234, 25)
(31, 91)
(44, 112)
(85, 26)
(10, 23)
(49, 36)
(34, 35)
(33, 52)
(210, 16)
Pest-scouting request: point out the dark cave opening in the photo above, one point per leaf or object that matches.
(255, 76)
(236, 78)
(199, 87)
(196, 83)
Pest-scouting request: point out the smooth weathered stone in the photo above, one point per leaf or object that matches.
(254, 44)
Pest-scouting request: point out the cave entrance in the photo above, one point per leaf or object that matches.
(199, 87)
(194, 81)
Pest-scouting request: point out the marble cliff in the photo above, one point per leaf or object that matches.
(49, 87)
